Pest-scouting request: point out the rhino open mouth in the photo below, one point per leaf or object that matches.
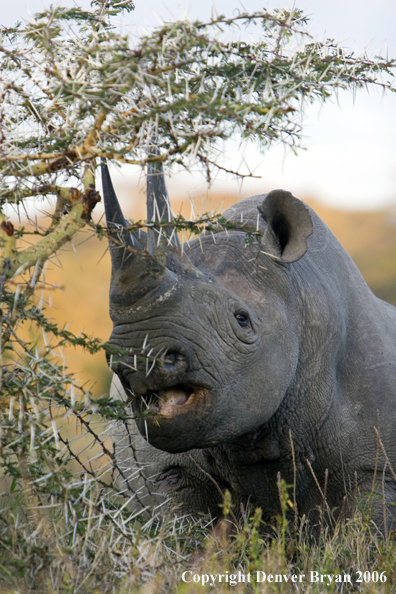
(168, 417)
(165, 400)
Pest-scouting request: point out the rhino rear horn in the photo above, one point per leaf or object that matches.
(158, 206)
(115, 220)
(289, 225)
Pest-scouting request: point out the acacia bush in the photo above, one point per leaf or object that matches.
(74, 91)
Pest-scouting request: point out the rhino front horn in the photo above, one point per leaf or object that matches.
(116, 222)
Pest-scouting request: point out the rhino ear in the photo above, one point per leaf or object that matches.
(289, 225)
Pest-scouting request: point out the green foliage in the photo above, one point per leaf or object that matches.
(74, 90)
(80, 90)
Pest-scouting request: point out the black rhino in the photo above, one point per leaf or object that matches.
(267, 360)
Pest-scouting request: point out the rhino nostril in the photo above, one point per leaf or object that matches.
(170, 359)
(173, 361)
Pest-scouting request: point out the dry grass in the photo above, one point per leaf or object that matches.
(93, 547)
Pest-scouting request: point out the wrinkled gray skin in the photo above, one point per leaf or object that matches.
(259, 347)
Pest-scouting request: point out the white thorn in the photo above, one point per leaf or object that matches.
(145, 343)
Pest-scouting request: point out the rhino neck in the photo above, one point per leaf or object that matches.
(347, 365)
(252, 465)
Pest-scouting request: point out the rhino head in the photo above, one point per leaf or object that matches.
(209, 340)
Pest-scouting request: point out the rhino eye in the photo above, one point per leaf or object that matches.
(242, 317)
